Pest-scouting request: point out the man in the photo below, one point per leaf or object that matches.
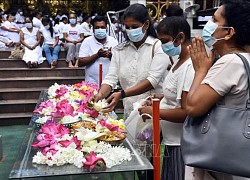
(73, 35)
(96, 49)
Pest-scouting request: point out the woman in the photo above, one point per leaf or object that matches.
(51, 39)
(139, 63)
(174, 33)
(225, 81)
(73, 35)
(30, 38)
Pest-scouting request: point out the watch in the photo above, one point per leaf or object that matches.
(123, 94)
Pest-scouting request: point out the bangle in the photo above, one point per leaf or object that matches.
(123, 94)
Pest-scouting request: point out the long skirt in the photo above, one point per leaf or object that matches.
(33, 55)
(173, 167)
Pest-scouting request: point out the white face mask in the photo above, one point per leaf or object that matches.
(135, 35)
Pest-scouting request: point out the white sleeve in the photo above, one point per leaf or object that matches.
(158, 66)
(84, 49)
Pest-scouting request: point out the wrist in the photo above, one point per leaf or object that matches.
(123, 94)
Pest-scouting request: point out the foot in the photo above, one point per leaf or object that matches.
(34, 65)
(76, 64)
(70, 64)
(53, 64)
(29, 64)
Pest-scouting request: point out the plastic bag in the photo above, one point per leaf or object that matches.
(141, 131)
(133, 118)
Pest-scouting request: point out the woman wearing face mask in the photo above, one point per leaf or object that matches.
(225, 82)
(30, 38)
(174, 33)
(139, 63)
(51, 39)
(73, 35)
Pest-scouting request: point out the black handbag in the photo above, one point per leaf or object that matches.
(220, 140)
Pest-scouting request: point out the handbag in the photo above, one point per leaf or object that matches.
(220, 140)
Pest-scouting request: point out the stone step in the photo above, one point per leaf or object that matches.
(18, 63)
(5, 53)
(41, 72)
(24, 82)
(7, 119)
(20, 93)
(17, 106)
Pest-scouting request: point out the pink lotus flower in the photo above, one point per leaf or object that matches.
(49, 133)
(66, 143)
(43, 105)
(92, 160)
(63, 108)
(60, 92)
(111, 127)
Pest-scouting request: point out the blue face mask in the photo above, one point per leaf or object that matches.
(207, 33)
(100, 33)
(28, 25)
(135, 35)
(72, 21)
(170, 49)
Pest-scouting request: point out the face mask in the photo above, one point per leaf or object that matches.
(72, 21)
(28, 25)
(207, 33)
(21, 13)
(135, 35)
(100, 33)
(170, 49)
(47, 27)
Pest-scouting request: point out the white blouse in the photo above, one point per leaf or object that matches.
(130, 66)
(173, 85)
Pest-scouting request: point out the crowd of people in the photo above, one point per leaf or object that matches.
(36, 33)
(142, 64)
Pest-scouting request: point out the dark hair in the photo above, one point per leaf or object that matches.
(46, 19)
(36, 12)
(29, 17)
(174, 10)
(173, 26)
(237, 15)
(98, 18)
(140, 13)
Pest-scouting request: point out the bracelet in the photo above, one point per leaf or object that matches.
(123, 94)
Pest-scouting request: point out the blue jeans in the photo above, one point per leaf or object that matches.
(51, 53)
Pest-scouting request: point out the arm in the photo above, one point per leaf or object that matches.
(56, 41)
(38, 36)
(65, 36)
(177, 115)
(81, 38)
(140, 88)
(22, 41)
(85, 61)
(10, 29)
(197, 105)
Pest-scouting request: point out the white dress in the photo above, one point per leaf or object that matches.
(14, 36)
(30, 38)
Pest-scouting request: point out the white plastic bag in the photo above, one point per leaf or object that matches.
(133, 118)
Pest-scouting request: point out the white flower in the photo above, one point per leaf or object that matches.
(42, 120)
(115, 155)
(85, 134)
(69, 119)
(100, 104)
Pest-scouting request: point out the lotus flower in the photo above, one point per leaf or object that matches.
(60, 92)
(66, 143)
(111, 127)
(92, 160)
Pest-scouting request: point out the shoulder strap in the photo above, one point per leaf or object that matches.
(153, 48)
(247, 67)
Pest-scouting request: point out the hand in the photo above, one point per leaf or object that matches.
(75, 42)
(198, 54)
(29, 47)
(112, 100)
(147, 110)
(33, 47)
(102, 52)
